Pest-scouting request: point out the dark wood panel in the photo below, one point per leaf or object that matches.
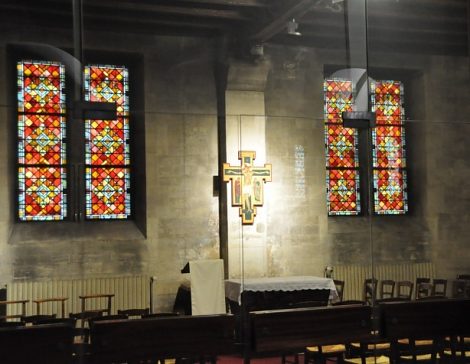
(297, 328)
(167, 337)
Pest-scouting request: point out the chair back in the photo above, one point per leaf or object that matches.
(439, 287)
(35, 319)
(387, 288)
(134, 312)
(107, 318)
(405, 289)
(161, 314)
(424, 289)
(370, 290)
(461, 288)
(420, 280)
(339, 288)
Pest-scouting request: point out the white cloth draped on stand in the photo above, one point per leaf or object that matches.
(207, 287)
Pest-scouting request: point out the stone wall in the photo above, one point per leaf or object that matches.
(181, 158)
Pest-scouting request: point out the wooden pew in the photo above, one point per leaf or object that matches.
(159, 338)
(42, 344)
(417, 318)
(294, 329)
(429, 320)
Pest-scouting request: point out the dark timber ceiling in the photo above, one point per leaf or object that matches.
(414, 26)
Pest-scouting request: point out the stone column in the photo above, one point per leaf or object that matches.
(246, 123)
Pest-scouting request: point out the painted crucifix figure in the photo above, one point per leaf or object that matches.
(247, 184)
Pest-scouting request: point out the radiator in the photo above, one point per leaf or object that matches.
(129, 292)
(354, 275)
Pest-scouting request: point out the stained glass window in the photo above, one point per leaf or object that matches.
(107, 156)
(42, 172)
(341, 147)
(388, 139)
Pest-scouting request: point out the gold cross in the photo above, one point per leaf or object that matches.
(247, 187)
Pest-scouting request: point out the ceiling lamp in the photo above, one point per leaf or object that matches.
(292, 26)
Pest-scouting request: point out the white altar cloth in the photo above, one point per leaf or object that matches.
(235, 287)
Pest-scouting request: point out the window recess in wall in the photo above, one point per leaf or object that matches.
(50, 174)
(344, 174)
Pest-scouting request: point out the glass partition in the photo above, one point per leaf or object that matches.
(139, 137)
(426, 53)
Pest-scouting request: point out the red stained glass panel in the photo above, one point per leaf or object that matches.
(41, 141)
(389, 160)
(41, 193)
(108, 193)
(342, 146)
(107, 145)
(343, 196)
(390, 192)
(341, 150)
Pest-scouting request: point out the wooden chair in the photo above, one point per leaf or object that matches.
(375, 350)
(339, 288)
(369, 294)
(405, 289)
(387, 288)
(14, 302)
(107, 296)
(82, 325)
(349, 302)
(419, 282)
(81, 344)
(424, 289)
(461, 288)
(134, 312)
(94, 320)
(320, 353)
(56, 320)
(456, 349)
(41, 301)
(161, 315)
(35, 319)
(439, 287)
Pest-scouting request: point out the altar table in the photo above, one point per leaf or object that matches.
(235, 287)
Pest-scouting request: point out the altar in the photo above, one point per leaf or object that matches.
(267, 293)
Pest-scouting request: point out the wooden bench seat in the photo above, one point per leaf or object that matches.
(165, 337)
(42, 344)
(420, 328)
(293, 330)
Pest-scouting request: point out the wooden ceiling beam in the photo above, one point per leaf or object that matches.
(166, 9)
(231, 3)
(338, 43)
(46, 15)
(278, 23)
(388, 16)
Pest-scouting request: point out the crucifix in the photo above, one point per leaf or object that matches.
(247, 184)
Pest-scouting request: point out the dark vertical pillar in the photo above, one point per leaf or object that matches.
(221, 71)
(468, 28)
(76, 149)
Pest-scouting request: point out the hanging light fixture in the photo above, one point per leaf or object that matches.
(292, 26)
